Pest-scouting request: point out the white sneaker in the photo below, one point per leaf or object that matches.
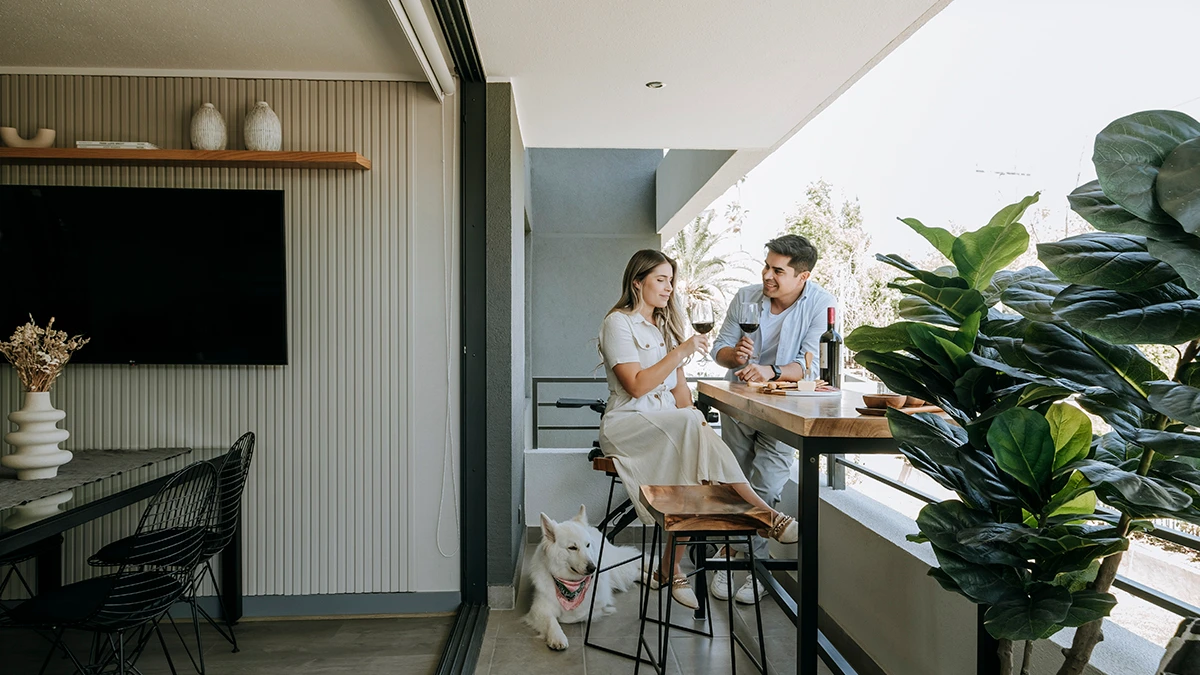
(750, 592)
(719, 586)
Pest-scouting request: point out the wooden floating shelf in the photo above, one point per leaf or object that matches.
(214, 158)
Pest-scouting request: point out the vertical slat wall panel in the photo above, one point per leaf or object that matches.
(341, 497)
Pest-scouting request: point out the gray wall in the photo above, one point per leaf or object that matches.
(591, 210)
(681, 175)
(506, 371)
(347, 493)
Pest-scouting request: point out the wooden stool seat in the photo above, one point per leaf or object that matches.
(605, 464)
(703, 508)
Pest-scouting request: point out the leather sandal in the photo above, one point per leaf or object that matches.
(681, 589)
(784, 529)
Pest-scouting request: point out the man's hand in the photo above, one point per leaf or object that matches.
(755, 373)
(743, 350)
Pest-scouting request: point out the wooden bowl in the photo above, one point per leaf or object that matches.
(884, 400)
(914, 402)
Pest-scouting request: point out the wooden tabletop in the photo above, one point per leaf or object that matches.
(824, 416)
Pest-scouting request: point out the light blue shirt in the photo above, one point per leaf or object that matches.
(800, 331)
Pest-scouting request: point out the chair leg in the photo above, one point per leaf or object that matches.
(670, 586)
(166, 652)
(645, 606)
(762, 643)
(729, 604)
(196, 626)
(230, 637)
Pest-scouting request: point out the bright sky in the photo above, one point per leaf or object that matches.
(986, 87)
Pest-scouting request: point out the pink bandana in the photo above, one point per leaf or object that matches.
(571, 594)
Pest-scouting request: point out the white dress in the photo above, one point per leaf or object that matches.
(651, 441)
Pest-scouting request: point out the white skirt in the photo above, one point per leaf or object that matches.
(672, 446)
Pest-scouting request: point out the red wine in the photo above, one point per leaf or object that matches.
(703, 328)
(831, 353)
(748, 327)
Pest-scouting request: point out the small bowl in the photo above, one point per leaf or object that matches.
(884, 400)
(914, 402)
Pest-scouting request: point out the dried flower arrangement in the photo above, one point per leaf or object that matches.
(39, 354)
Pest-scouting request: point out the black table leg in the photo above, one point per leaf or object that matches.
(49, 565)
(806, 625)
(231, 574)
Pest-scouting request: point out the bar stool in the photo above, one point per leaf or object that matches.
(622, 514)
(706, 514)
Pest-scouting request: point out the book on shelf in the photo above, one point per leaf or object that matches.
(116, 145)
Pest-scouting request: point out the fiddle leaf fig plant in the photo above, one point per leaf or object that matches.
(1012, 356)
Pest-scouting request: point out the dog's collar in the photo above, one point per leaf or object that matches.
(571, 594)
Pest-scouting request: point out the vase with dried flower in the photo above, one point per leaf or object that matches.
(38, 355)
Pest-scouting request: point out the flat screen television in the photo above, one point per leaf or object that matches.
(151, 275)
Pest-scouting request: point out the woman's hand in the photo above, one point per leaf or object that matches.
(699, 343)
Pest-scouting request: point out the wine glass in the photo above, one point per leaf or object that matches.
(748, 314)
(700, 311)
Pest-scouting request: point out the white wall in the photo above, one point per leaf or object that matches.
(349, 492)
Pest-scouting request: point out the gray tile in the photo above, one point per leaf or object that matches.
(484, 665)
(531, 656)
(704, 655)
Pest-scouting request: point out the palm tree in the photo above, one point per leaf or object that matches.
(703, 274)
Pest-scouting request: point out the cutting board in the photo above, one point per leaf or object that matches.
(879, 412)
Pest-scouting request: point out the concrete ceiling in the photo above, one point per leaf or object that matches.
(346, 39)
(737, 75)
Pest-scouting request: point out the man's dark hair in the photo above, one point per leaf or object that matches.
(800, 251)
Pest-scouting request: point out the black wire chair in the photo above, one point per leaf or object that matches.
(123, 609)
(231, 483)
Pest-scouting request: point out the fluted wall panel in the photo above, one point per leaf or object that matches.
(352, 484)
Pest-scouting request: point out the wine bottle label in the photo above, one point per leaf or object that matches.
(824, 355)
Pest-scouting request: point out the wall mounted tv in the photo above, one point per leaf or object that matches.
(151, 275)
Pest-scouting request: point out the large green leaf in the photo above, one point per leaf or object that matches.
(886, 339)
(1115, 449)
(983, 473)
(1004, 278)
(1142, 491)
(1116, 410)
(932, 434)
(980, 254)
(1165, 315)
(1172, 444)
(1129, 152)
(1032, 617)
(1087, 606)
(1117, 261)
(1077, 497)
(1023, 447)
(916, 308)
(1089, 201)
(1178, 185)
(942, 240)
(1177, 401)
(941, 523)
(983, 584)
(1071, 430)
(1182, 256)
(1087, 360)
(1034, 298)
(959, 303)
(932, 278)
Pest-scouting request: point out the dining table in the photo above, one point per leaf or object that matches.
(815, 424)
(95, 483)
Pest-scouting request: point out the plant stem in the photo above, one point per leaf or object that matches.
(1004, 650)
(1027, 659)
(1189, 355)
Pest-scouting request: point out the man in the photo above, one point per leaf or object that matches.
(793, 312)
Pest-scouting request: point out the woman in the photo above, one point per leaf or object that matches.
(650, 429)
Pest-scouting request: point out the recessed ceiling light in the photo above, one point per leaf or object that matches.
(655, 85)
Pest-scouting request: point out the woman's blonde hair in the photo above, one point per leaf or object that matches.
(669, 319)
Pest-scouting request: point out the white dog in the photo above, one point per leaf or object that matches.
(563, 574)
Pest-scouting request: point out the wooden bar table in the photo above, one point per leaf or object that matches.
(824, 425)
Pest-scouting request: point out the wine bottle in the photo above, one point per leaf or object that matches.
(831, 353)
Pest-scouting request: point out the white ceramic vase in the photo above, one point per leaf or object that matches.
(36, 438)
(262, 128)
(44, 138)
(208, 129)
